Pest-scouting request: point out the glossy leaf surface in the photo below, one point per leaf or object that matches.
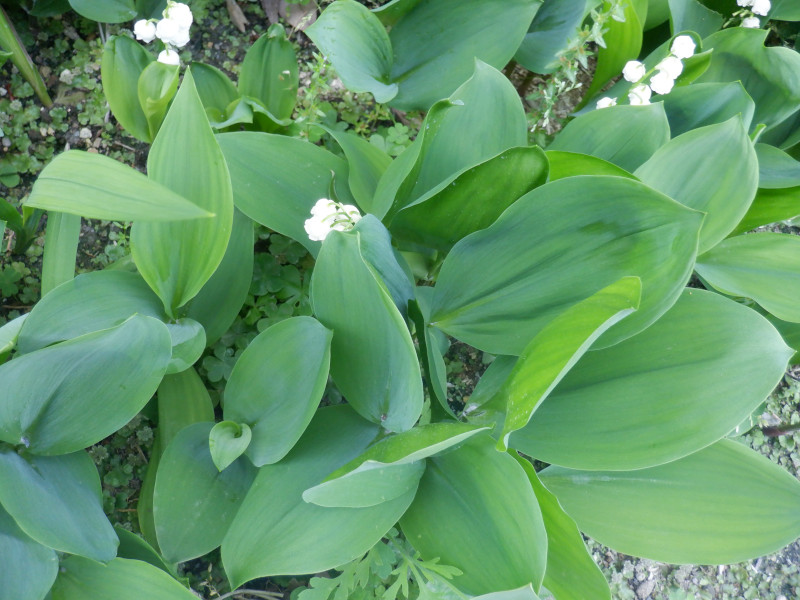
(56, 501)
(156, 89)
(29, 569)
(192, 523)
(269, 73)
(681, 512)
(701, 104)
(569, 164)
(555, 22)
(124, 59)
(556, 246)
(276, 385)
(630, 410)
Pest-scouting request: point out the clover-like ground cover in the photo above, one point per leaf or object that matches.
(68, 49)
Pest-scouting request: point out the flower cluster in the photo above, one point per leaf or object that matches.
(662, 81)
(753, 8)
(327, 216)
(173, 30)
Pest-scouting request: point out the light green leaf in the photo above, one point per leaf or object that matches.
(556, 348)
(770, 206)
(109, 374)
(56, 501)
(436, 42)
(60, 247)
(276, 385)
(9, 334)
(523, 593)
(549, 33)
(431, 349)
(571, 573)
(692, 106)
(156, 89)
(276, 533)
(124, 59)
(624, 135)
(691, 15)
(475, 510)
(182, 401)
(276, 180)
(215, 89)
(784, 10)
(176, 259)
(712, 169)
(228, 441)
(358, 46)
(761, 266)
(108, 11)
(188, 342)
(189, 525)
(121, 579)
(723, 504)
(269, 73)
(768, 74)
(630, 408)
(373, 360)
(29, 569)
(556, 246)
(570, 164)
(776, 169)
(219, 301)
(97, 187)
(473, 200)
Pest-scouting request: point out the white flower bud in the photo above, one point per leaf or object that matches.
(751, 22)
(639, 95)
(180, 13)
(169, 57)
(606, 102)
(661, 83)
(745, 3)
(144, 31)
(181, 38)
(633, 71)
(683, 46)
(761, 7)
(167, 30)
(327, 216)
(671, 66)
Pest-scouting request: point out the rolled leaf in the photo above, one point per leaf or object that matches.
(156, 88)
(269, 73)
(124, 59)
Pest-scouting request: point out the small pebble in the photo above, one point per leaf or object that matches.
(85, 133)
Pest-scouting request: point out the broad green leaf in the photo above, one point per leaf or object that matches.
(624, 135)
(761, 266)
(188, 342)
(275, 532)
(389, 468)
(97, 187)
(712, 169)
(156, 89)
(373, 360)
(60, 247)
(370, 484)
(776, 169)
(124, 59)
(558, 346)
(721, 505)
(194, 502)
(144, 506)
(176, 259)
(791, 335)
(523, 593)
(473, 200)
(276, 385)
(29, 568)
(110, 375)
(691, 15)
(570, 164)
(215, 89)
(269, 73)
(9, 334)
(182, 401)
(770, 206)
(358, 46)
(552, 28)
(475, 510)
(90, 302)
(228, 441)
(784, 10)
(768, 74)
(483, 118)
(108, 11)
(436, 43)
(431, 350)
(556, 246)
(219, 301)
(571, 573)
(121, 579)
(622, 42)
(692, 106)
(135, 547)
(56, 501)
(678, 386)
(276, 180)
(366, 164)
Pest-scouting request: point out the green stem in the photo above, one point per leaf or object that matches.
(10, 42)
(256, 593)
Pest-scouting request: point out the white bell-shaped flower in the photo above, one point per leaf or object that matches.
(633, 71)
(672, 66)
(144, 31)
(761, 7)
(169, 57)
(606, 102)
(661, 83)
(751, 22)
(639, 95)
(683, 46)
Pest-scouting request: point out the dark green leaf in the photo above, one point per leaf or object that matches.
(692, 106)
(108, 11)
(691, 15)
(552, 28)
